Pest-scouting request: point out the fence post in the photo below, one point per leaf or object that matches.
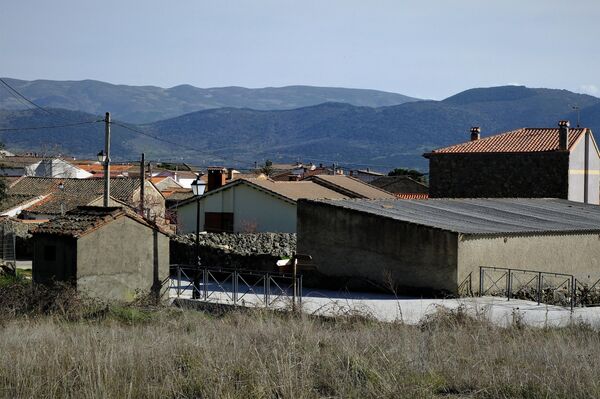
(234, 283)
(539, 290)
(265, 290)
(205, 283)
(573, 282)
(481, 271)
(268, 290)
(508, 284)
(178, 280)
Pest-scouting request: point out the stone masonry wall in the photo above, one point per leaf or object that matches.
(251, 251)
(529, 175)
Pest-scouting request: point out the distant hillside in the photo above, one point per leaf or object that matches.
(381, 138)
(143, 104)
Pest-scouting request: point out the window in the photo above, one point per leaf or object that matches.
(49, 253)
(218, 222)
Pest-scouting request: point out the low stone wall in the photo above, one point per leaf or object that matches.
(252, 251)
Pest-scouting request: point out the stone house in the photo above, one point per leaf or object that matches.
(558, 162)
(439, 244)
(109, 252)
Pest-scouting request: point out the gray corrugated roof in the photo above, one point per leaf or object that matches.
(485, 215)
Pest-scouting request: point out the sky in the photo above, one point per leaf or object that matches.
(424, 49)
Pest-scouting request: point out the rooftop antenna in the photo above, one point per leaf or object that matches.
(576, 108)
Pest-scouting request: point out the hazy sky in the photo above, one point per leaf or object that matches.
(426, 49)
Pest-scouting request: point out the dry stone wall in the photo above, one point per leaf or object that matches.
(251, 251)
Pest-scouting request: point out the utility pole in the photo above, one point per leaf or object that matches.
(107, 160)
(142, 183)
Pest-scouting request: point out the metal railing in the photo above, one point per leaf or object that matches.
(235, 286)
(533, 285)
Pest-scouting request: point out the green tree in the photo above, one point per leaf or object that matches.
(267, 168)
(412, 173)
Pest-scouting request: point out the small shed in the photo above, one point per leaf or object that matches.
(107, 252)
(439, 244)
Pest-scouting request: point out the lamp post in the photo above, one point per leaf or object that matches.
(104, 160)
(198, 187)
(61, 187)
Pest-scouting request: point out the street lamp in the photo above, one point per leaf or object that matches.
(198, 187)
(101, 156)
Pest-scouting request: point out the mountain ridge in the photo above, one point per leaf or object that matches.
(353, 136)
(145, 104)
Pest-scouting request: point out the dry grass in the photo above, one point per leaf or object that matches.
(142, 351)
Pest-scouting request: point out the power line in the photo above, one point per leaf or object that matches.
(178, 144)
(20, 96)
(23, 97)
(46, 127)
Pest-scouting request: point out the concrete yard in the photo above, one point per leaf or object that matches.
(408, 310)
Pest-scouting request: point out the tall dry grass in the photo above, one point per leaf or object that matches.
(134, 352)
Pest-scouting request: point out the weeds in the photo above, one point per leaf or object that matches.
(145, 350)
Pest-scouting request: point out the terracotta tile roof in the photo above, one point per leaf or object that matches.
(520, 140)
(412, 196)
(77, 192)
(353, 188)
(86, 219)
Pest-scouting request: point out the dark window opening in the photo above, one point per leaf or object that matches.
(218, 222)
(49, 253)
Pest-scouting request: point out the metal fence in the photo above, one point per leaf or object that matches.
(7, 248)
(532, 285)
(235, 286)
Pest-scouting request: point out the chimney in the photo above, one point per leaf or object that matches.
(563, 135)
(475, 133)
(216, 178)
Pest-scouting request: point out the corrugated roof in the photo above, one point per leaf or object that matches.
(520, 140)
(350, 186)
(485, 215)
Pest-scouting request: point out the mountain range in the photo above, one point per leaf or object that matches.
(143, 104)
(353, 136)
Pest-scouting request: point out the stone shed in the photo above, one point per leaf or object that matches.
(438, 244)
(109, 252)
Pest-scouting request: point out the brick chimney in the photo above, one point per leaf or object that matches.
(563, 135)
(217, 177)
(475, 133)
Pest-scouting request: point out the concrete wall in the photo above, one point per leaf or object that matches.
(63, 267)
(120, 258)
(347, 243)
(253, 210)
(480, 175)
(584, 170)
(577, 254)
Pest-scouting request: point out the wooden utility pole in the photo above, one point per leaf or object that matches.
(107, 160)
(142, 183)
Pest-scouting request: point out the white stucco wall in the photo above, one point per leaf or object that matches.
(252, 210)
(577, 172)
